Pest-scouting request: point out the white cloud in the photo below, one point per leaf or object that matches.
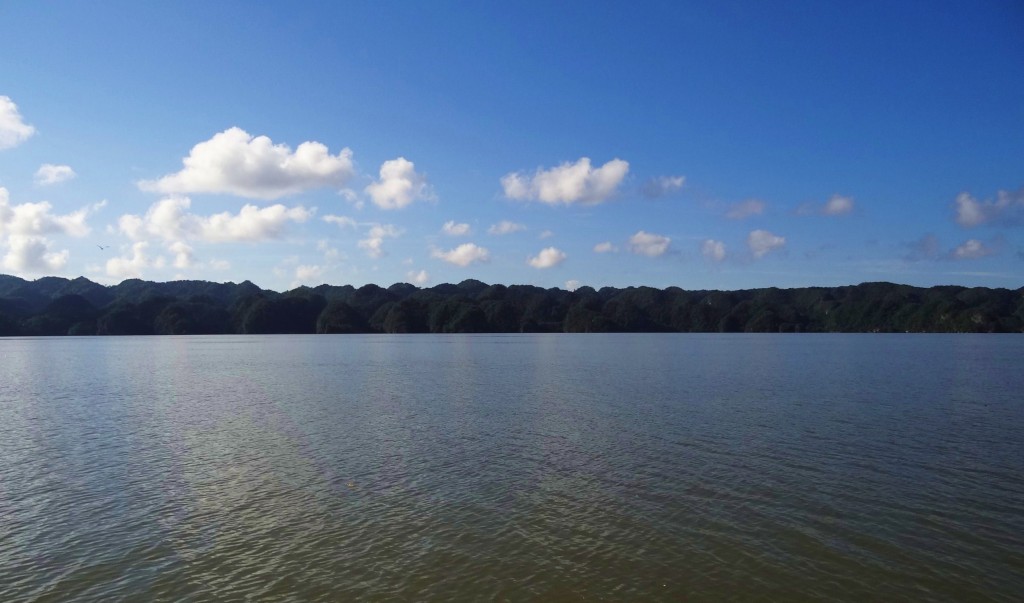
(373, 244)
(22, 234)
(29, 254)
(505, 227)
(605, 247)
(972, 249)
(183, 255)
(713, 250)
(252, 223)
(1007, 208)
(649, 244)
(34, 219)
(745, 209)
(49, 173)
(13, 129)
(399, 185)
(547, 258)
(662, 186)
(331, 254)
(567, 183)
(762, 242)
(452, 229)
(170, 220)
(130, 266)
(237, 163)
(838, 205)
(545, 234)
(341, 221)
(220, 264)
(418, 278)
(463, 255)
(572, 285)
(307, 274)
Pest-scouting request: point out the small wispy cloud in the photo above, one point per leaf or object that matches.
(662, 186)
(49, 173)
(836, 205)
(453, 229)
(649, 244)
(745, 209)
(505, 227)
(713, 250)
(762, 242)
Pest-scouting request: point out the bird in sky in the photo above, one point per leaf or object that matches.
(102, 247)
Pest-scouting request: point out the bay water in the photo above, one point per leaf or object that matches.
(625, 467)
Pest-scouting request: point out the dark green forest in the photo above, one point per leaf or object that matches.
(59, 306)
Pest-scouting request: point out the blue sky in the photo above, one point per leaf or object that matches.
(702, 145)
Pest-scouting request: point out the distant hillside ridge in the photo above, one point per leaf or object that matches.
(60, 306)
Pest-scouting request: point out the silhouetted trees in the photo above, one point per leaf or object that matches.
(56, 306)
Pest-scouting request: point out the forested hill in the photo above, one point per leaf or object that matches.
(58, 306)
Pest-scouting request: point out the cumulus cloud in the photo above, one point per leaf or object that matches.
(399, 185)
(49, 173)
(251, 223)
(36, 219)
(972, 249)
(762, 242)
(662, 186)
(373, 243)
(418, 277)
(567, 183)
(1007, 208)
(452, 229)
(130, 266)
(572, 284)
(13, 129)
(605, 247)
(745, 209)
(649, 244)
(183, 255)
(235, 162)
(463, 255)
(28, 254)
(170, 220)
(545, 234)
(837, 205)
(547, 258)
(505, 227)
(23, 230)
(713, 250)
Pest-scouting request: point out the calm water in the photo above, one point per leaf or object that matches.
(589, 467)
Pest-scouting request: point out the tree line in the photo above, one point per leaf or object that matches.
(58, 306)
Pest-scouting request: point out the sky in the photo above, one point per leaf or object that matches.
(704, 145)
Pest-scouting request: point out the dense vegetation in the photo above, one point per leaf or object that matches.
(58, 306)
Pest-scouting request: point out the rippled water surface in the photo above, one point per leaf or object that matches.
(519, 467)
